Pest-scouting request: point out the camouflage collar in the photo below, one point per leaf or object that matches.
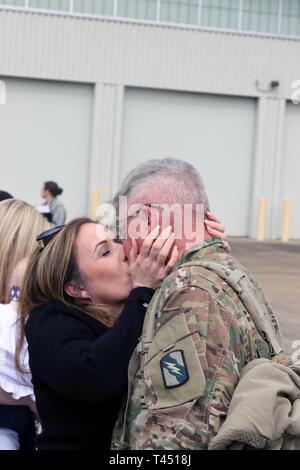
(209, 245)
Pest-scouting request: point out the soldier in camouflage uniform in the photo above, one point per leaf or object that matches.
(198, 335)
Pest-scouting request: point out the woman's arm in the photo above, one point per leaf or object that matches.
(7, 399)
(59, 215)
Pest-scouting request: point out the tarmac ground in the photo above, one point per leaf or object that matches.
(276, 267)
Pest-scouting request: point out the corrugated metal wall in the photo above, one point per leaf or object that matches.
(45, 130)
(115, 54)
(90, 50)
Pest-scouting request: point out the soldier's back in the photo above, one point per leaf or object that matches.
(197, 338)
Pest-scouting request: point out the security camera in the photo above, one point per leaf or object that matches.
(274, 84)
(271, 86)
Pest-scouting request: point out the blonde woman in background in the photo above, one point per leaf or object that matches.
(19, 226)
(17, 429)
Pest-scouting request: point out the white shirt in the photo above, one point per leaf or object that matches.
(11, 380)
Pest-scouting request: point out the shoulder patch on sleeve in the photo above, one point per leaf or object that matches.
(174, 369)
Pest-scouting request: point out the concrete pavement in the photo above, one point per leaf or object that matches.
(276, 266)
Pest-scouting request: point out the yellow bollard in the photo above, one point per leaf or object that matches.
(261, 219)
(95, 201)
(286, 220)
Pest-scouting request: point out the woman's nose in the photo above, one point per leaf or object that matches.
(121, 252)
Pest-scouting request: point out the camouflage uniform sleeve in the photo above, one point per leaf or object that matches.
(195, 361)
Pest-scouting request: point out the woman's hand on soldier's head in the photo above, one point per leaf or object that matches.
(216, 229)
(156, 259)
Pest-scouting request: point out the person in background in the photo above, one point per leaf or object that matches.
(17, 403)
(50, 193)
(20, 224)
(5, 195)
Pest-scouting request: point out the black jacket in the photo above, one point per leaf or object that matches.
(79, 371)
(21, 420)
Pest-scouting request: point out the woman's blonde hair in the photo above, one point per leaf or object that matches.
(49, 270)
(20, 224)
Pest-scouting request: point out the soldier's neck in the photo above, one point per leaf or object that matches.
(184, 244)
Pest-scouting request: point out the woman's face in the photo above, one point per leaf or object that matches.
(103, 266)
(43, 193)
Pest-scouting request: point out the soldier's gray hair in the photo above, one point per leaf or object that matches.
(169, 180)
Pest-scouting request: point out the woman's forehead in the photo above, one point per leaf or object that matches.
(93, 233)
(88, 239)
(102, 232)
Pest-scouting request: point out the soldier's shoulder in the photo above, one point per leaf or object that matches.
(194, 273)
(186, 278)
(193, 280)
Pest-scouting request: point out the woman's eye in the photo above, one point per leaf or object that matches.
(105, 253)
